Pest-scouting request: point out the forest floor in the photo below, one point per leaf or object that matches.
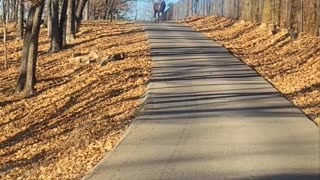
(79, 112)
(291, 66)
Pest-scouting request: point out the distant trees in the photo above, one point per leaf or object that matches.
(12, 10)
(107, 9)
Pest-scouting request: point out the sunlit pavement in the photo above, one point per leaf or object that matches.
(209, 116)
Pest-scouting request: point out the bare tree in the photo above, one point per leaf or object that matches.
(62, 23)
(5, 17)
(53, 25)
(87, 7)
(21, 19)
(78, 16)
(47, 19)
(27, 74)
(70, 31)
(56, 27)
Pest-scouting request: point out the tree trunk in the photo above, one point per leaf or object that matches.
(53, 26)
(3, 10)
(49, 18)
(33, 51)
(110, 16)
(25, 51)
(5, 23)
(27, 76)
(73, 20)
(20, 20)
(222, 8)
(87, 11)
(80, 8)
(16, 9)
(70, 35)
(62, 25)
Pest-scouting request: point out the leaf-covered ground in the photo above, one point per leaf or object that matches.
(292, 66)
(79, 112)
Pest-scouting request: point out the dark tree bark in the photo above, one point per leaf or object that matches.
(20, 20)
(33, 50)
(59, 27)
(62, 25)
(27, 74)
(53, 26)
(80, 8)
(25, 51)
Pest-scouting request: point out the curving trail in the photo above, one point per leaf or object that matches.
(210, 116)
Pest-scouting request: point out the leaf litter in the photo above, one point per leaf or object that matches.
(291, 65)
(79, 111)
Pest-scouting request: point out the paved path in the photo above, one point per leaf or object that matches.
(210, 116)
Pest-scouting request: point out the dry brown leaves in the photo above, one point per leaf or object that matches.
(79, 112)
(292, 66)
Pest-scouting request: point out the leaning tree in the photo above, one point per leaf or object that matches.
(27, 74)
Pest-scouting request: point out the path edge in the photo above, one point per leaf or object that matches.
(311, 118)
(143, 99)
